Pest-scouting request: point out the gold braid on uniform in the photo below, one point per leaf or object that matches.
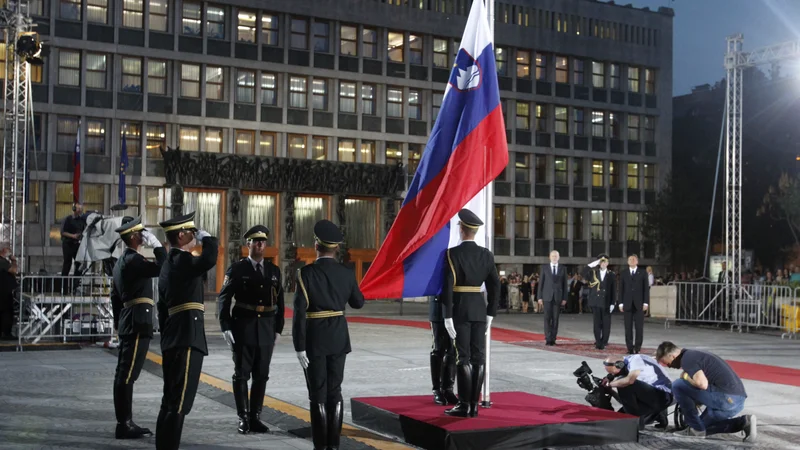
(596, 282)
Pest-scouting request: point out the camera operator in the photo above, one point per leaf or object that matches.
(643, 386)
(707, 380)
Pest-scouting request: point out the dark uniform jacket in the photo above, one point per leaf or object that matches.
(133, 284)
(470, 265)
(262, 292)
(324, 286)
(634, 290)
(435, 313)
(601, 293)
(181, 283)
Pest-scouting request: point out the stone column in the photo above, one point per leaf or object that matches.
(235, 230)
(176, 202)
(288, 245)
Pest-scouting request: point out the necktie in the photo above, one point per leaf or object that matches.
(258, 269)
(633, 272)
(554, 269)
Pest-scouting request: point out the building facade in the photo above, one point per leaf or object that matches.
(285, 112)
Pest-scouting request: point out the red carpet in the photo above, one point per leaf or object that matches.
(509, 409)
(748, 371)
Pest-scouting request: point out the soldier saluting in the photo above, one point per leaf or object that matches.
(180, 318)
(602, 285)
(251, 327)
(467, 315)
(320, 335)
(132, 302)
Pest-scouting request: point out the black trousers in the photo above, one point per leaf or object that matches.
(252, 359)
(552, 311)
(643, 400)
(182, 367)
(6, 319)
(470, 343)
(602, 325)
(69, 249)
(324, 378)
(634, 318)
(132, 353)
(442, 344)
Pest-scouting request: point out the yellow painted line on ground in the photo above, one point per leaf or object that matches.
(363, 436)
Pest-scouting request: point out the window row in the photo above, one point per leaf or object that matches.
(530, 116)
(565, 171)
(543, 222)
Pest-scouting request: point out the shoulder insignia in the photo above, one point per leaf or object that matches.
(226, 280)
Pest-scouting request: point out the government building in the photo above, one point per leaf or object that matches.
(286, 112)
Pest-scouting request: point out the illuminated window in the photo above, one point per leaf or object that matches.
(131, 74)
(319, 148)
(597, 173)
(522, 222)
(361, 222)
(367, 151)
(541, 66)
(347, 150)
(598, 225)
(562, 69)
(133, 13)
(298, 92)
(192, 19)
(269, 88)
(347, 97)
(522, 168)
(633, 79)
(394, 102)
(245, 142)
(368, 99)
(156, 140)
(320, 91)
(158, 15)
(245, 86)
(266, 146)
(189, 139)
(215, 83)
(395, 46)
(523, 64)
(214, 142)
(394, 153)
(523, 115)
(97, 11)
(415, 49)
(157, 77)
(598, 75)
(598, 124)
(215, 22)
(440, 53)
(614, 125)
(297, 147)
(246, 27)
(157, 207)
(501, 61)
(414, 157)
(95, 71)
(633, 127)
(633, 176)
(562, 120)
(69, 68)
(632, 226)
(67, 132)
(560, 224)
(614, 75)
(414, 105)
(613, 174)
(560, 166)
(348, 44)
(269, 29)
(307, 212)
(95, 137)
(649, 81)
(190, 80)
(133, 138)
(541, 118)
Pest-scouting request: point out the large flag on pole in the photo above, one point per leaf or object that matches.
(466, 151)
(76, 168)
(123, 169)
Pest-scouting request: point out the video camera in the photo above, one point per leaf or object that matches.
(599, 396)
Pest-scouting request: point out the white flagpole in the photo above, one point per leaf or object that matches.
(489, 230)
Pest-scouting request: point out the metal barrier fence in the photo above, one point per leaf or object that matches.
(740, 306)
(63, 309)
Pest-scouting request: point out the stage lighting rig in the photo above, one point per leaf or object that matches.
(29, 47)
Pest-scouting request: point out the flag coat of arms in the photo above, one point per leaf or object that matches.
(466, 151)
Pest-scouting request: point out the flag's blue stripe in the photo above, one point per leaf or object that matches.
(460, 113)
(423, 269)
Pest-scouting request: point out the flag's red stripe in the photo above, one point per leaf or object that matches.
(465, 174)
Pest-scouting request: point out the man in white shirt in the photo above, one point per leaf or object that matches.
(644, 388)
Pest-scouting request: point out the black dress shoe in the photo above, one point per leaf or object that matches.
(438, 397)
(450, 398)
(462, 409)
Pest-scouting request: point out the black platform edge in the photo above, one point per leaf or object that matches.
(11, 346)
(430, 437)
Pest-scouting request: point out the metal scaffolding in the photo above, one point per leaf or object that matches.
(736, 60)
(16, 22)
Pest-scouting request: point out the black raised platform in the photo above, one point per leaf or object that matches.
(515, 420)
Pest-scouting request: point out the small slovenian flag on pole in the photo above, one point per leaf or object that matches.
(123, 168)
(76, 168)
(466, 151)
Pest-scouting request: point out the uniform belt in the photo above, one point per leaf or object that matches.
(256, 308)
(466, 288)
(139, 301)
(186, 307)
(323, 314)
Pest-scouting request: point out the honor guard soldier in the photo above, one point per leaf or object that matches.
(251, 328)
(602, 294)
(467, 315)
(320, 335)
(443, 359)
(132, 303)
(180, 318)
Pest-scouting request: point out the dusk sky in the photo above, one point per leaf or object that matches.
(700, 28)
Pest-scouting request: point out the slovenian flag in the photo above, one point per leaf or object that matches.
(466, 151)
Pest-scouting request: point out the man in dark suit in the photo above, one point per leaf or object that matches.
(180, 317)
(320, 335)
(132, 303)
(602, 285)
(634, 301)
(467, 316)
(252, 325)
(443, 358)
(553, 290)
(8, 287)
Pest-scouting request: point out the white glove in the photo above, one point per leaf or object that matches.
(594, 264)
(228, 335)
(200, 235)
(611, 309)
(301, 356)
(489, 320)
(276, 338)
(621, 309)
(150, 239)
(450, 327)
(645, 306)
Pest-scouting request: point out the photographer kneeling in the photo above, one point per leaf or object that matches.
(707, 380)
(643, 386)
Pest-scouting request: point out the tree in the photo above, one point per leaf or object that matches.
(677, 223)
(781, 203)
